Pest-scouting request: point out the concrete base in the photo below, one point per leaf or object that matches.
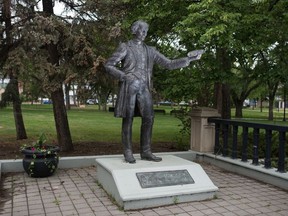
(119, 180)
(258, 172)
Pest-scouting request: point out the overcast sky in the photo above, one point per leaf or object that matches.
(58, 8)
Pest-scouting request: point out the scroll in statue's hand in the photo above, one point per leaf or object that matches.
(195, 54)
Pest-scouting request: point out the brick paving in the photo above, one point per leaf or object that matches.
(75, 192)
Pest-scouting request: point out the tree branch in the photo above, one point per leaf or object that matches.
(272, 4)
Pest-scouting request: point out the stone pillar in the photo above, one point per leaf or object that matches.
(202, 133)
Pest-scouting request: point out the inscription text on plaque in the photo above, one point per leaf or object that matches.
(164, 178)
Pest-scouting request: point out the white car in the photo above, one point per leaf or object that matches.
(91, 101)
(183, 103)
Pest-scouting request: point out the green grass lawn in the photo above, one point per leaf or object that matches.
(255, 115)
(86, 124)
(90, 124)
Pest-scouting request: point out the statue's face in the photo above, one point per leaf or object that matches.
(141, 32)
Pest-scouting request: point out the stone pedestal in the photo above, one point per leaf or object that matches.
(151, 184)
(202, 132)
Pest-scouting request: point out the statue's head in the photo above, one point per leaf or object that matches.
(139, 29)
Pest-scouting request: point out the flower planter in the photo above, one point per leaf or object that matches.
(40, 163)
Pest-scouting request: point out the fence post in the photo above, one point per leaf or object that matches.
(202, 133)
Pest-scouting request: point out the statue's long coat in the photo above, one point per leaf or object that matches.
(125, 55)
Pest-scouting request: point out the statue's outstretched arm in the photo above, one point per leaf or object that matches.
(177, 63)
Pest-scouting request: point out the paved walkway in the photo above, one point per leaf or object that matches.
(75, 192)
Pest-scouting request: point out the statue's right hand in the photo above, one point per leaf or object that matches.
(195, 54)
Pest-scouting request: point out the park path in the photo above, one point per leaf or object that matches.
(75, 192)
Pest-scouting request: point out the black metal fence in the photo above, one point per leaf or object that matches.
(227, 135)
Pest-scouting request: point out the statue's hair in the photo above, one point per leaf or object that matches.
(136, 24)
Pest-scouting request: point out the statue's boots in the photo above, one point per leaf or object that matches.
(127, 140)
(128, 155)
(146, 134)
(150, 157)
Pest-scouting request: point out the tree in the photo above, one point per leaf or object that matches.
(272, 46)
(54, 51)
(57, 95)
(244, 82)
(12, 91)
(228, 27)
(40, 44)
(216, 29)
(271, 79)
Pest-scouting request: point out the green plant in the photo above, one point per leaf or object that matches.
(175, 200)
(38, 145)
(37, 154)
(57, 202)
(184, 133)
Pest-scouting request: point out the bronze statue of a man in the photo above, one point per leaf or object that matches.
(134, 99)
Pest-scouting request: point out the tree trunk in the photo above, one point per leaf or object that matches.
(218, 97)
(61, 121)
(17, 111)
(226, 103)
(224, 66)
(19, 123)
(67, 96)
(48, 6)
(270, 112)
(272, 88)
(239, 109)
(57, 96)
(238, 102)
(74, 95)
(272, 92)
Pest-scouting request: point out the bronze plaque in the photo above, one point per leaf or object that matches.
(164, 178)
